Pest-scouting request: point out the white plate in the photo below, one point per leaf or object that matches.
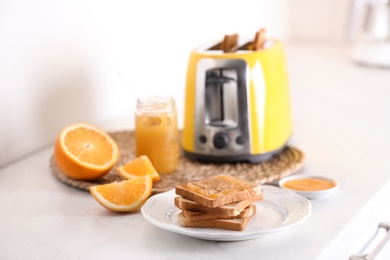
(280, 209)
(317, 194)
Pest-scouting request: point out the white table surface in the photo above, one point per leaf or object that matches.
(341, 122)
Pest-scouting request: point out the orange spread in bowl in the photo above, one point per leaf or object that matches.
(309, 184)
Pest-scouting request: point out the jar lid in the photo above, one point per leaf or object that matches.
(156, 103)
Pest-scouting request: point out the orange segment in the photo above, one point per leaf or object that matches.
(124, 196)
(141, 166)
(85, 152)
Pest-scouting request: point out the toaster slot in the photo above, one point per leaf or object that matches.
(245, 47)
(215, 47)
(221, 99)
(258, 42)
(228, 44)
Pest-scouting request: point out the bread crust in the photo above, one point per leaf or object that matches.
(199, 216)
(231, 209)
(237, 224)
(219, 190)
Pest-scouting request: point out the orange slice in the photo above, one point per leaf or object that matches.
(141, 166)
(85, 152)
(124, 196)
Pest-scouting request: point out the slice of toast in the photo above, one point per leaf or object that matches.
(200, 216)
(258, 42)
(219, 190)
(229, 43)
(237, 224)
(231, 209)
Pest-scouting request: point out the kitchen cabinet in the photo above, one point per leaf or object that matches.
(374, 244)
(341, 123)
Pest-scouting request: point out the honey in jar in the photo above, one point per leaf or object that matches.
(156, 132)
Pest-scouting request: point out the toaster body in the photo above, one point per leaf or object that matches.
(237, 105)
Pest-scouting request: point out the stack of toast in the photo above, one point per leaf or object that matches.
(221, 201)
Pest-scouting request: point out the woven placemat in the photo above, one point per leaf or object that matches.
(289, 161)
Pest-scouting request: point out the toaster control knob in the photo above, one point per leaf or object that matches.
(241, 139)
(220, 140)
(203, 139)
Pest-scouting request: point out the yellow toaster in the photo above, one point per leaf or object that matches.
(237, 104)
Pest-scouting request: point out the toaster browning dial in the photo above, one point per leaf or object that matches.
(220, 140)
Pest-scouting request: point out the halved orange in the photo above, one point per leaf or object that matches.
(140, 166)
(124, 196)
(85, 152)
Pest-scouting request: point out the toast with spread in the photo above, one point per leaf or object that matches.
(219, 190)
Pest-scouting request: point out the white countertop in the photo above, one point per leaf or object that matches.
(341, 123)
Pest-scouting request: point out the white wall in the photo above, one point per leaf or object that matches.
(318, 20)
(58, 58)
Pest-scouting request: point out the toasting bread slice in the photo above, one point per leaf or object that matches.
(237, 224)
(259, 40)
(199, 216)
(231, 209)
(229, 43)
(219, 190)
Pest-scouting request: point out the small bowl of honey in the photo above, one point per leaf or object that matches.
(311, 187)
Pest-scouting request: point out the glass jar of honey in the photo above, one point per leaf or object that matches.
(156, 132)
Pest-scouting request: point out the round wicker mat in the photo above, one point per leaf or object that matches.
(289, 161)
